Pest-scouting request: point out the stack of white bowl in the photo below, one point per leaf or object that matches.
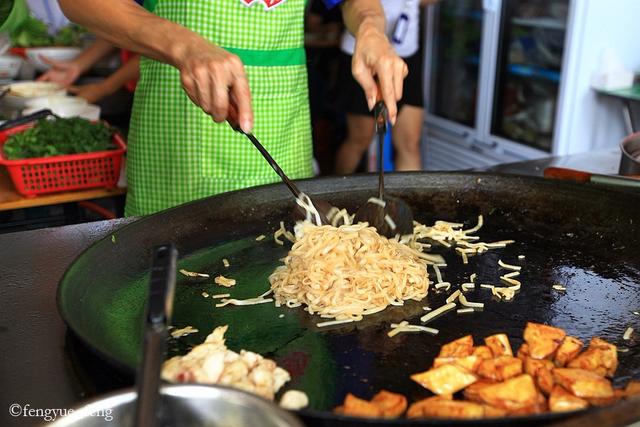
(29, 97)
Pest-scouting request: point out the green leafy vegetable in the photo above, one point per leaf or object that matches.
(32, 32)
(71, 35)
(59, 137)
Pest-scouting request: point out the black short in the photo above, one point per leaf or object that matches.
(352, 97)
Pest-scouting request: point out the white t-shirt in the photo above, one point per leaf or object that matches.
(392, 11)
(48, 11)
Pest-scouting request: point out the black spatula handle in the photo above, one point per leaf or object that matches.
(158, 316)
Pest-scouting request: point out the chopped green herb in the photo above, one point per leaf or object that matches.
(59, 137)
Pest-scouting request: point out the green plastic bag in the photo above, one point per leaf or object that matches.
(12, 14)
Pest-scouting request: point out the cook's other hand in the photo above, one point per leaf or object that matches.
(62, 72)
(374, 57)
(212, 77)
(67, 72)
(92, 92)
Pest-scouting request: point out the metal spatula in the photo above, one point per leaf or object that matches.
(323, 208)
(389, 215)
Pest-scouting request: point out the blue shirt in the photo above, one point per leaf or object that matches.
(332, 3)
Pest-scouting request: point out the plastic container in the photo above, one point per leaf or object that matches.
(630, 160)
(9, 66)
(86, 111)
(32, 177)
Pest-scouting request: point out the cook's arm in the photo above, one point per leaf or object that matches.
(209, 74)
(374, 56)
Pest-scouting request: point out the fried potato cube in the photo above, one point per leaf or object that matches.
(543, 340)
(531, 365)
(540, 370)
(493, 412)
(523, 351)
(415, 409)
(544, 380)
(499, 345)
(590, 360)
(471, 392)
(601, 357)
(604, 401)
(539, 407)
(445, 408)
(391, 404)
(445, 379)
(483, 352)
(514, 393)
(470, 363)
(568, 350)
(500, 368)
(560, 400)
(356, 407)
(459, 348)
(583, 383)
(632, 389)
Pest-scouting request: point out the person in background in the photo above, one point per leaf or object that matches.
(241, 60)
(67, 72)
(48, 11)
(403, 17)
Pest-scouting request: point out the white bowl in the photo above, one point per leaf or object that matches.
(183, 405)
(86, 111)
(23, 92)
(55, 101)
(9, 66)
(34, 55)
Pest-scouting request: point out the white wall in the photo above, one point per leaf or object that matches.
(594, 121)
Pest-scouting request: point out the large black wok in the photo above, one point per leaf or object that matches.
(581, 236)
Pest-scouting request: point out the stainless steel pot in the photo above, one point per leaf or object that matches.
(183, 406)
(630, 161)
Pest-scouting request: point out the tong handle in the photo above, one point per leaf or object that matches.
(232, 119)
(381, 117)
(40, 114)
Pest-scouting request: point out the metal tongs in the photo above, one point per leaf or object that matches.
(304, 203)
(389, 215)
(23, 120)
(158, 317)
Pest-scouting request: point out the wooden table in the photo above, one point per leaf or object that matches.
(10, 199)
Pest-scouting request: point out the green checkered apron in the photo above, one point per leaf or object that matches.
(176, 152)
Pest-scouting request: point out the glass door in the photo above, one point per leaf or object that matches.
(532, 36)
(456, 60)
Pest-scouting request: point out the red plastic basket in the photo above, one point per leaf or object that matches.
(63, 173)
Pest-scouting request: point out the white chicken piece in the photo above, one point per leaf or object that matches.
(213, 363)
(294, 400)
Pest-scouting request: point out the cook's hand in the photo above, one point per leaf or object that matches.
(92, 93)
(375, 58)
(211, 76)
(61, 72)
